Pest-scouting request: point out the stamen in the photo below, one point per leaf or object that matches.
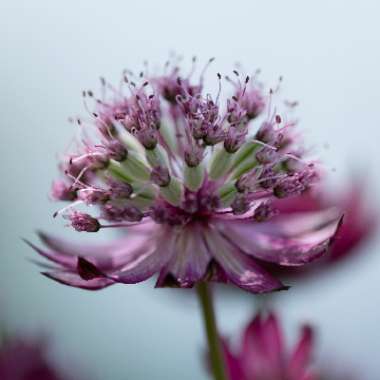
(67, 208)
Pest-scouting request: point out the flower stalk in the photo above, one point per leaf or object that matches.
(215, 350)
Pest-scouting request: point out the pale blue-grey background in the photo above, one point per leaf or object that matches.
(329, 55)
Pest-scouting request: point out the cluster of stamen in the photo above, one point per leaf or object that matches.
(159, 147)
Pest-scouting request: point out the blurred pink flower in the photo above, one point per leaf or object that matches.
(192, 180)
(263, 354)
(26, 359)
(360, 222)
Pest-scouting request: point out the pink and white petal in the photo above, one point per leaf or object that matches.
(296, 241)
(241, 270)
(151, 260)
(107, 256)
(301, 357)
(191, 257)
(73, 279)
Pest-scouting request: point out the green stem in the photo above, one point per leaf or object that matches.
(215, 349)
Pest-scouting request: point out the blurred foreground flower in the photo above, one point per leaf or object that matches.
(26, 359)
(263, 354)
(193, 180)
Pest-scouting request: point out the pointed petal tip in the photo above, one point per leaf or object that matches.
(337, 229)
(32, 245)
(280, 288)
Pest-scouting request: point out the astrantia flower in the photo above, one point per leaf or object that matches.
(263, 354)
(26, 359)
(192, 178)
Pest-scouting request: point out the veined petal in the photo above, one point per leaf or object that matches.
(295, 241)
(240, 269)
(109, 256)
(191, 258)
(152, 259)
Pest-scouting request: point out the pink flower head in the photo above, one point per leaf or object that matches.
(192, 177)
(26, 359)
(263, 354)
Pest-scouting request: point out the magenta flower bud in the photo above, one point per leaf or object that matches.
(240, 204)
(199, 130)
(235, 113)
(60, 191)
(172, 86)
(116, 150)
(266, 155)
(132, 214)
(160, 176)
(295, 184)
(249, 181)
(234, 139)
(263, 212)
(97, 160)
(266, 133)
(268, 178)
(93, 196)
(193, 157)
(112, 213)
(148, 138)
(252, 102)
(119, 189)
(82, 222)
(288, 187)
(214, 135)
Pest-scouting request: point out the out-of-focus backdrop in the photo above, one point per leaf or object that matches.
(328, 53)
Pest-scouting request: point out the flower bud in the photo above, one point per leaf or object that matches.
(60, 191)
(116, 150)
(160, 176)
(240, 204)
(84, 222)
(263, 212)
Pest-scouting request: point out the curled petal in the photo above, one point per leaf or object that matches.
(68, 262)
(293, 241)
(150, 261)
(108, 257)
(191, 258)
(240, 269)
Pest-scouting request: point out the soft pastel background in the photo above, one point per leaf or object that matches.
(329, 55)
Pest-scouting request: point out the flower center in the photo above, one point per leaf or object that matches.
(196, 207)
